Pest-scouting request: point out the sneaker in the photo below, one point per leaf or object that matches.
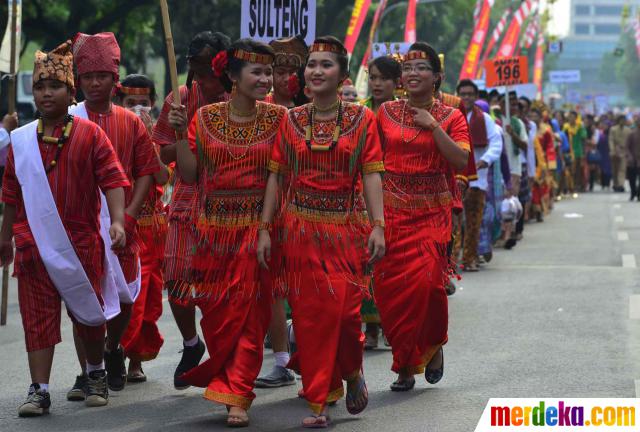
(116, 369)
(278, 377)
(79, 390)
(37, 403)
(97, 389)
(191, 357)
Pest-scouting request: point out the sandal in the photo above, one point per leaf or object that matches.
(403, 385)
(320, 421)
(136, 377)
(352, 399)
(434, 375)
(236, 421)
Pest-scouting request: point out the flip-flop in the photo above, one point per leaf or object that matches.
(321, 421)
(403, 385)
(352, 398)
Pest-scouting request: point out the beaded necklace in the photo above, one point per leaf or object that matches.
(309, 133)
(59, 142)
(428, 107)
(227, 126)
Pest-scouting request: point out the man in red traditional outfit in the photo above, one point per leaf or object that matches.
(202, 88)
(97, 59)
(142, 339)
(55, 170)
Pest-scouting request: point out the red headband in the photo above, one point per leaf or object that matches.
(251, 57)
(415, 55)
(327, 47)
(135, 91)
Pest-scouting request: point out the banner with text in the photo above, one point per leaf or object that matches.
(507, 71)
(510, 41)
(472, 57)
(410, 25)
(266, 20)
(359, 14)
(538, 66)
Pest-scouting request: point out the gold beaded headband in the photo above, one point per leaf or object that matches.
(135, 91)
(416, 55)
(325, 47)
(251, 57)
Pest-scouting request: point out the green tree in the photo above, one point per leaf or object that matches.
(627, 68)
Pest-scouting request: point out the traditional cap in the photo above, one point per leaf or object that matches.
(290, 52)
(55, 65)
(96, 53)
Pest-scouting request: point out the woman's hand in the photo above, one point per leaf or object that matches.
(376, 245)
(178, 118)
(264, 249)
(423, 119)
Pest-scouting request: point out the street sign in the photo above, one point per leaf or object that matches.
(554, 47)
(507, 71)
(564, 76)
(266, 20)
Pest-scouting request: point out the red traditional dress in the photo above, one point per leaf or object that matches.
(233, 292)
(409, 281)
(142, 340)
(545, 162)
(324, 244)
(134, 148)
(180, 241)
(86, 165)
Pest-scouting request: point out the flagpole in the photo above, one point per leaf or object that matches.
(171, 53)
(11, 109)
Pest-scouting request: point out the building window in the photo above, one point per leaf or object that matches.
(608, 10)
(583, 10)
(607, 29)
(582, 29)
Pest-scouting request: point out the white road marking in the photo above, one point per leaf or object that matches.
(617, 206)
(629, 261)
(623, 236)
(637, 383)
(619, 219)
(634, 307)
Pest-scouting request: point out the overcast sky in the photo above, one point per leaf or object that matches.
(560, 16)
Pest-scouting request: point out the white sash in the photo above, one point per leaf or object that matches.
(128, 293)
(55, 248)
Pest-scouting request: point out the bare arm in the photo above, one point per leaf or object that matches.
(140, 190)
(269, 206)
(451, 151)
(6, 234)
(115, 202)
(186, 160)
(168, 154)
(161, 177)
(372, 184)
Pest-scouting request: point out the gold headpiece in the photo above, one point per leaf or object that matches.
(251, 57)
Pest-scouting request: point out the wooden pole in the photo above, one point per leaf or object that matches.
(11, 109)
(171, 53)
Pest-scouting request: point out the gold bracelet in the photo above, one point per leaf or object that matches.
(265, 226)
(378, 223)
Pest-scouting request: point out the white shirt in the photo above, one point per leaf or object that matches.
(530, 157)
(513, 151)
(490, 154)
(5, 139)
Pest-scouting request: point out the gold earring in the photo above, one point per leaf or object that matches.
(234, 89)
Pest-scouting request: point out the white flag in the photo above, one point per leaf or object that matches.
(5, 48)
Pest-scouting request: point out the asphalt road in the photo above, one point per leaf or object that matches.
(558, 316)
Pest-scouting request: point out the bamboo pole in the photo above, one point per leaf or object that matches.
(11, 109)
(171, 53)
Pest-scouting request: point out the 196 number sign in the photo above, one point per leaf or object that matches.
(507, 71)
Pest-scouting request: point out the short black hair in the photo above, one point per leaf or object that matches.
(235, 65)
(138, 81)
(433, 58)
(215, 40)
(526, 100)
(341, 57)
(467, 83)
(389, 67)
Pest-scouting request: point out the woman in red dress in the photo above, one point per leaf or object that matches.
(327, 147)
(227, 154)
(422, 140)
